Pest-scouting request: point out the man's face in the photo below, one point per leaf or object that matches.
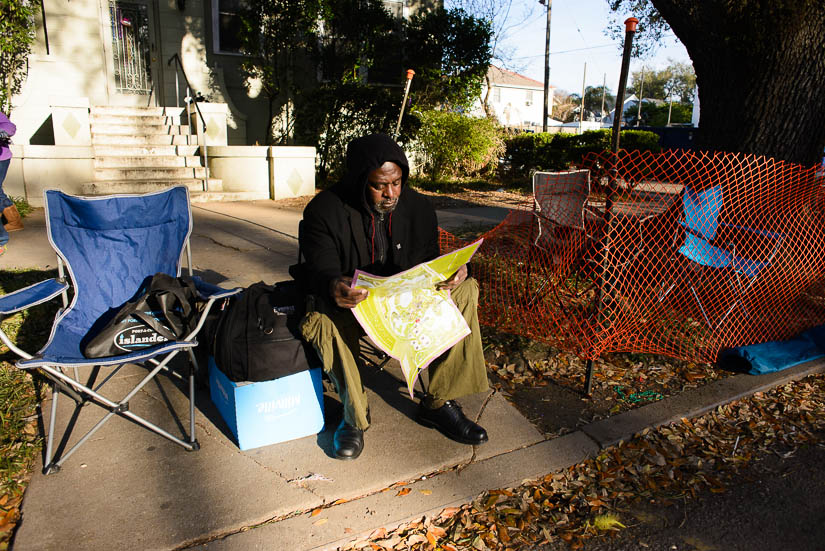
(384, 187)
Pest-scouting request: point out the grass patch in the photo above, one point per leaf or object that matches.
(20, 441)
(450, 186)
(23, 206)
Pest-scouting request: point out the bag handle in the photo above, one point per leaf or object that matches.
(165, 287)
(154, 324)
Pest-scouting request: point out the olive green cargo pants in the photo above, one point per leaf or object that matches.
(335, 333)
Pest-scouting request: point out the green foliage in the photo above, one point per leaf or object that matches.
(553, 152)
(677, 79)
(656, 115)
(450, 52)
(16, 37)
(638, 140)
(330, 116)
(358, 48)
(359, 38)
(277, 34)
(652, 26)
(454, 145)
(23, 206)
(593, 99)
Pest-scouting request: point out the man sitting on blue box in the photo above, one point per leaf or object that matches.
(371, 221)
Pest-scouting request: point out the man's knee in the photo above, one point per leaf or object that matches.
(466, 294)
(314, 326)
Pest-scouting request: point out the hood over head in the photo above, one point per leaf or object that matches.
(364, 155)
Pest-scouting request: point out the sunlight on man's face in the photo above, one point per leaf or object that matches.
(384, 187)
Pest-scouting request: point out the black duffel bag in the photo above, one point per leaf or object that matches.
(256, 337)
(164, 310)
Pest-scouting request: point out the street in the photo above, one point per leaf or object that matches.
(776, 503)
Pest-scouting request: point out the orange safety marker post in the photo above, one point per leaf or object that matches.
(410, 74)
(630, 30)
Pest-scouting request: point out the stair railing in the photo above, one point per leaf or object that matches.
(190, 100)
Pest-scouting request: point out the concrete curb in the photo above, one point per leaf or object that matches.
(341, 524)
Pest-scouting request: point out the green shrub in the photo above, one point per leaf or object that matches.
(23, 206)
(457, 146)
(553, 152)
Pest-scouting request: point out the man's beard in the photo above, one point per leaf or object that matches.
(386, 207)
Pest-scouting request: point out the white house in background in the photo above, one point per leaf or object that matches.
(516, 100)
(607, 120)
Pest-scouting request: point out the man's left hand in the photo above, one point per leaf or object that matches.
(455, 280)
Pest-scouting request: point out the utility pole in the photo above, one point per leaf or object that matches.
(547, 110)
(604, 91)
(670, 107)
(641, 94)
(581, 111)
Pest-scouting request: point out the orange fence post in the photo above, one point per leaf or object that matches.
(618, 111)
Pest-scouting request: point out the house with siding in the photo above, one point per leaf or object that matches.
(104, 108)
(516, 100)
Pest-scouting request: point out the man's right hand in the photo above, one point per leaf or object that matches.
(344, 295)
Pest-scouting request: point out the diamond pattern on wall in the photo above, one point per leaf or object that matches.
(71, 125)
(213, 129)
(294, 181)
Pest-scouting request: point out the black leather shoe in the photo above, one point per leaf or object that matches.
(452, 422)
(348, 441)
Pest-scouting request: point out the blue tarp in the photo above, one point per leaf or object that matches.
(768, 357)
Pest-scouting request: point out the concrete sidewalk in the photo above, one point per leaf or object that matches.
(129, 489)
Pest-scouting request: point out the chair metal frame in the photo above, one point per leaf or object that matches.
(55, 369)
(704, 248)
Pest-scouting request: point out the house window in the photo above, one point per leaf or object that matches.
(496, 94)
(395, 7)
(529, 98)
(226, 26)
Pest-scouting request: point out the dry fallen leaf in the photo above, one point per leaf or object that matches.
(315, 512)
(320, 521)
(403, 492)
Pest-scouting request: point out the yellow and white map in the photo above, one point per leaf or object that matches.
(407, 317)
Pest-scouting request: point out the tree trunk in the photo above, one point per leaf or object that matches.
(485, 102)
(760, 68)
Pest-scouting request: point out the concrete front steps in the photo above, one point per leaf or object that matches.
(147, 149)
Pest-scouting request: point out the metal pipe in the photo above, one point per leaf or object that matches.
(630, 30)
(410, 74)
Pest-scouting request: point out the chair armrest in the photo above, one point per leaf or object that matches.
(208, 291)
(763, 233)
(31, 296)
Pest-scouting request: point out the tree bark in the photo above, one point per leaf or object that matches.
(760, 69)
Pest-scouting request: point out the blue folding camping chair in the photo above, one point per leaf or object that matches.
(705, 249)
(110, 246)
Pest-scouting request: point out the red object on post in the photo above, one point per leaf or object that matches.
(630, 24)
(410, 74)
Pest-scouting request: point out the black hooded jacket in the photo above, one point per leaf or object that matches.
(333, 239)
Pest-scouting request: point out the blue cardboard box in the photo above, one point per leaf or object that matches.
(268, 412)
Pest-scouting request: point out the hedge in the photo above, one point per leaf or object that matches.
(551, 152)
(457, 146)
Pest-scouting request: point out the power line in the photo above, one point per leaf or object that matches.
(613, 44)
(568, 51)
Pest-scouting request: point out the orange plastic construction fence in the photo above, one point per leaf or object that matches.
(697, 252)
